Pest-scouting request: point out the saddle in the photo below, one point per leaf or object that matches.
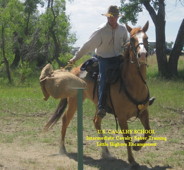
(91, 66)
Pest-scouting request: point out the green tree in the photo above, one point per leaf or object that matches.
(56, 27)
(156, 9)
(10, 19)
(30, 10)
(28, 36)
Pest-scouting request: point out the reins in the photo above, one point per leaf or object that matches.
(68, 66)
(139, 104)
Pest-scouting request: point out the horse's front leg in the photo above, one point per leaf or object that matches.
(124, 126)
(105, 152)
(144, 118)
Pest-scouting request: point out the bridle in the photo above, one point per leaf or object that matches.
(134, 49)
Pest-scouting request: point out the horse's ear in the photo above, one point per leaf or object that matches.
(128, 28)
(145, 28)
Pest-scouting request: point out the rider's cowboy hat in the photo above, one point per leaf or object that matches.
(113, 11)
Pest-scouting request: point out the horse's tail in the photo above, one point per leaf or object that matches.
(56, 116)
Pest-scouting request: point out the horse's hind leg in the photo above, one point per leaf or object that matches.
(105, 152)
(144, 118)
(68, 115)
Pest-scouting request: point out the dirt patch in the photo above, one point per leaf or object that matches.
(15, 157)
(23, 146)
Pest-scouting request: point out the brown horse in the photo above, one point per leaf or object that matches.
(131, 101)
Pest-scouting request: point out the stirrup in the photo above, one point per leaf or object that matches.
(151, 100)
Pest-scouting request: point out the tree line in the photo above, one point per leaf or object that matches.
(30, 36)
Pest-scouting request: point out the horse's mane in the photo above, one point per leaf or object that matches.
(135, 30)
(126, 49)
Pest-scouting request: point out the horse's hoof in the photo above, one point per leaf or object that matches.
(134, 166)
(151, 100)
(107, 156)
(136, 148)
(62, 151)
(133, 163)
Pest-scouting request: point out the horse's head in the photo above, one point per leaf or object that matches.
(139, 42)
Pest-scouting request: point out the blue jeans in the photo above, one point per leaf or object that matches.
(104, 65)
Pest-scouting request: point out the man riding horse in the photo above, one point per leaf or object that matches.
(108, 43)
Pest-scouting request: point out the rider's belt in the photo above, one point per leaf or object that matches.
(110, 58)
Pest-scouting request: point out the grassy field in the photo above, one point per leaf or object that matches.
(23, 145)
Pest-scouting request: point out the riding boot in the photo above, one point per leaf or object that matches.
(151, 100)
(101, 113)
(102, 103)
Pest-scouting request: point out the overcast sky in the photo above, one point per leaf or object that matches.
(85, 17)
